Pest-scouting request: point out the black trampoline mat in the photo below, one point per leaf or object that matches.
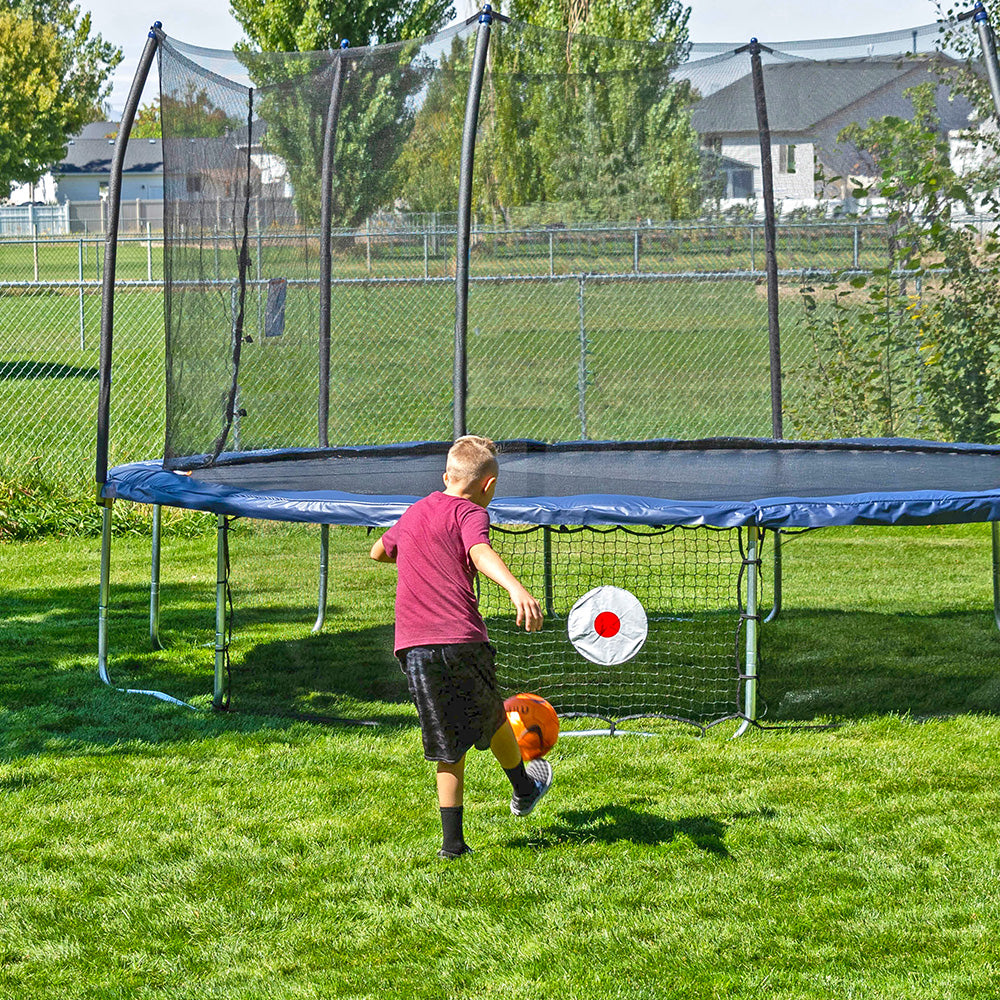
(713, 474)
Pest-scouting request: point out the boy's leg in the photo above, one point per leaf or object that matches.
(530, 783)
(450, 782)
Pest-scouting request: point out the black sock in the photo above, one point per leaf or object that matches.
(451, 826)
(523, 785)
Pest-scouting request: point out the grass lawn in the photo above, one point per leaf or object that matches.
(274, 852)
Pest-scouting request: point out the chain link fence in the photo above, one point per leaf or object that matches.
(606, 332)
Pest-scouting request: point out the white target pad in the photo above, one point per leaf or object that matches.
(607, 625)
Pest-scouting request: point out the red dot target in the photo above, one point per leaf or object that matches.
(607, 625)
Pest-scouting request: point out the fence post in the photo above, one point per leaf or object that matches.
(857, 247)
(79, 270)
(34, 251)
(635, 251)
(149, 251)
(552, 254)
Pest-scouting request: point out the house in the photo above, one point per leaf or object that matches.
(83, 173)
(809, 102)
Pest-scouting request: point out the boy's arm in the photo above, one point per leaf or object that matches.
(485, 558)
(379, 554)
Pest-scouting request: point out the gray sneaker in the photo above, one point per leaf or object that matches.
(540, 771)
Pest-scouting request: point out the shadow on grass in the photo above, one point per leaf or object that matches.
(43, 369)
(51, 691)
(609, 824)
(814, 664)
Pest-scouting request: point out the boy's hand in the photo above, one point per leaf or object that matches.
(529, 611)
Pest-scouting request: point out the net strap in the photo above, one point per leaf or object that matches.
(238, 324)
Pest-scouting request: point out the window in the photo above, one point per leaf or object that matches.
(786, 159)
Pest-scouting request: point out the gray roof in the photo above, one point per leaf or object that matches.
(93, 156)
(803, 93)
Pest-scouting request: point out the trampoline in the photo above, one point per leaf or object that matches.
(723, 484)
(256, 426)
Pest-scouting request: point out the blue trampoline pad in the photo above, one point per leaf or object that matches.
(716, 482)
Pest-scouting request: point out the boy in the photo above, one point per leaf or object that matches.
(438, 545)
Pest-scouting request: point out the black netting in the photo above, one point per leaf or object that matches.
(617, 256)
(687, 582)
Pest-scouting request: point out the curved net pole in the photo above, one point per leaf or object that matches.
(325, 293)
(770, 236)
(987, 42)
(111, 248)
(463, 236)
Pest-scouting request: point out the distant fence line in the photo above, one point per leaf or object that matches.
(50, 299)
(385, 248)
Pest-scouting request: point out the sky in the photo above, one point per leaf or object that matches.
(208, 23)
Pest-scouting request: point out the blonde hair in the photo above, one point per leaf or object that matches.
(471, 459)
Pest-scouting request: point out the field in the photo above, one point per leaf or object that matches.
(275, 851)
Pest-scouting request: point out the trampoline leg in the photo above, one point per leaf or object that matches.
(154, 580)
(751, 619)
(103, 598)
(219, 691)
(547, 569)
(324, 569)
(776, 605)
(995, 533)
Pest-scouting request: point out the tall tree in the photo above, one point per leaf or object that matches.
(379, 89)
(54, 78)
(587, 114)
(315, 25)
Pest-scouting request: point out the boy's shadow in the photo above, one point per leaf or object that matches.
(610, 823)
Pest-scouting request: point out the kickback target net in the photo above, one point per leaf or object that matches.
(684, 664)
(503, 230)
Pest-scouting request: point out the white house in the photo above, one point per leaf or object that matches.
(809, 103)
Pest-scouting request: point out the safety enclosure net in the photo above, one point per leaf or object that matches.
(617, 262)
(629, 279)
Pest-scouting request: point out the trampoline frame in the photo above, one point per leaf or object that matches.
(751, 610)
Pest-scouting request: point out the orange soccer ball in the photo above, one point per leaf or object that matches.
(534, 722)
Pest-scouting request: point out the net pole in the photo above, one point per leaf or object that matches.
(770, 237)
(771, 269)
(220, 689)
(325, 305)
(995, 542)
(987, 41)
(463, 236)
(111, 250)
(326, 244)
(751, 562)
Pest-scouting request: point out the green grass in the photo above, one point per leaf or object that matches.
(273, 852)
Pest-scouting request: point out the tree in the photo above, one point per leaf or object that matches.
(596, 125)
(190, 115)
(295, 93)
(53, 80)
(317, 25)
(932, 355)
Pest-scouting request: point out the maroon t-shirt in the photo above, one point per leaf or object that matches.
(435, 600)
